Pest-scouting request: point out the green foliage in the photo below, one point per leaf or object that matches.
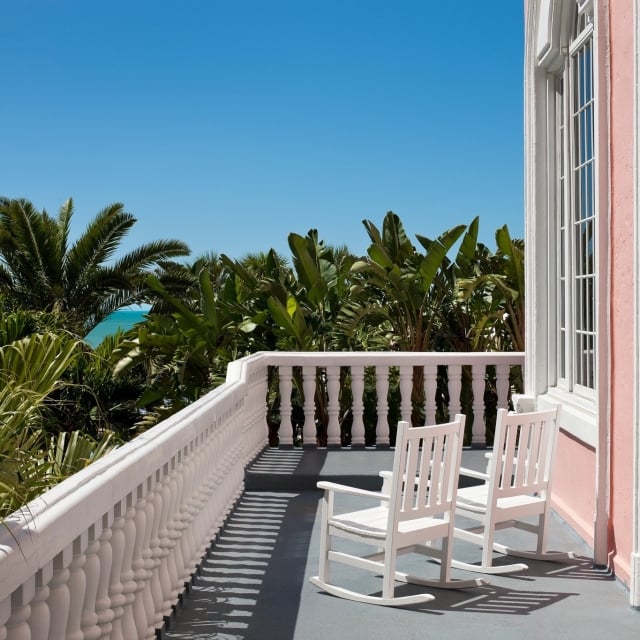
(181, 353)
(40, 271)
(63, 404)
(32, 370)
(498, 280)
(395, 288)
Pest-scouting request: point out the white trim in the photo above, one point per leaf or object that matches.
(601, 87)
(581, 39)
(587, 419)
(551, 32)
(579, 417)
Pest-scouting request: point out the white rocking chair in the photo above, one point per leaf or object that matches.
(516, 486)
(406, 519)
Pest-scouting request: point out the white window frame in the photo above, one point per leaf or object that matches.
(550, 28)
(569, 171)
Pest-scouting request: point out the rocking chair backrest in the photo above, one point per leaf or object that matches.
(523, 451)
(430, 455)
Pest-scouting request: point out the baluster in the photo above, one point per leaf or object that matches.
(218, 482)
(77, 587)
(159, 578)
(333, 390)
(17, 627)
(5, 614)
(127, 573)
(357, 387)
(59, 596)
(285, 433)
(455, 386)
(430, 389)
(189, 512)
(145, 573)
(89, 618)
(40, 620)
(478, 436)
(309, 390)
(117, 597)
(197, 500)
(173, 528)
(256, 428)
(174, 576)
(105, 555)
(262, 392)
(167, 568)
(202, 504)
(406, 387)
(234, 473)
(223, 481)
(382, 405)
(213, 503)
(502, 384)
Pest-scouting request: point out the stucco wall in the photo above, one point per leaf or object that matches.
(622, 234)
(573, 491)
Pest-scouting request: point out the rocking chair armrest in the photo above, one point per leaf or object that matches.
(354, 491)
(470, 473)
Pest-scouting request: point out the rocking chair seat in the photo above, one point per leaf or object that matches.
(373, 523)
(476, 498)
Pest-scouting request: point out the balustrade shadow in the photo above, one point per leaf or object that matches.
(250, 582)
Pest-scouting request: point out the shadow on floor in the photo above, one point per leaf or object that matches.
(240, 591)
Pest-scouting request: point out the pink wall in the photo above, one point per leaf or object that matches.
(621, 243)
(573, 491)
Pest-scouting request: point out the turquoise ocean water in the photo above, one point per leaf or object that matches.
(123, 319)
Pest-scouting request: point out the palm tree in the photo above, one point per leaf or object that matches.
(395, 288)
(499, 279)
(41, 272)
(32, 368)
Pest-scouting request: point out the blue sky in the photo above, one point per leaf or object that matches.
(230, 124)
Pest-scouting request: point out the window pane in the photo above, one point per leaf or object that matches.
(577, 285)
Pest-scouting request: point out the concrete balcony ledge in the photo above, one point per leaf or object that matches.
(253, 583)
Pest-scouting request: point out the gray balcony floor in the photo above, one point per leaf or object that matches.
(253, 584)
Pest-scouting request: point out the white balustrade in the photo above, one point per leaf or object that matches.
(309, 392)
(106, 553)
(89, 619)
(40, 619)
(59, 593)
(77, 587)
(430, 390)
(333, 394)
(286, 387)
(478, 384)
(357, 408)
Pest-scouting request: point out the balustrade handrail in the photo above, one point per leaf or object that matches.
(390, 358)
(123, 535)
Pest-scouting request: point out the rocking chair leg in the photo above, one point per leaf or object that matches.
(340, 592)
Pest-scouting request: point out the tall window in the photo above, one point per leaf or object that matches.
(576, 209)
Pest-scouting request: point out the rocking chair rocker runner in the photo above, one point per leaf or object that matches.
(515, 492)
(407, 519)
